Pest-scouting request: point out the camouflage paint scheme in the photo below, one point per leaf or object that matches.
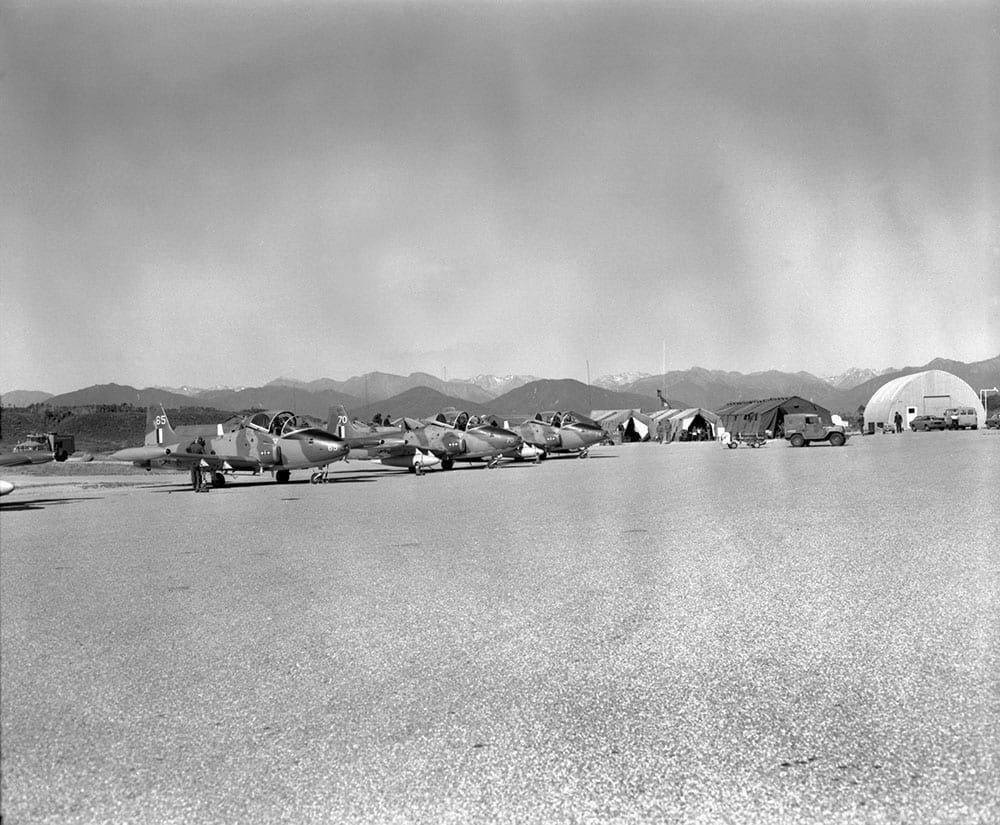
(275, 441)
(443, 442)
(555, 432)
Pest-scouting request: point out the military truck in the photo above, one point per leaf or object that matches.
(60, 446)
(802, 429)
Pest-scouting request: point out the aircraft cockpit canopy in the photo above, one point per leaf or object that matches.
(278, 424)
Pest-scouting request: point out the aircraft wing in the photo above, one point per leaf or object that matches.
(391, 448)
(173, 454)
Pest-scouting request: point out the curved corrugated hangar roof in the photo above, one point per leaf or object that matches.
(923, 393)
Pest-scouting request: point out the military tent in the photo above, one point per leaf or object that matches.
(692, 424)
(637, 427)
(766, 418)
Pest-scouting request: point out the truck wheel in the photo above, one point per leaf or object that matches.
(837, 439)
(797, 440)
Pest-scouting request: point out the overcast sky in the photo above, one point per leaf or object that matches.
(211, 192)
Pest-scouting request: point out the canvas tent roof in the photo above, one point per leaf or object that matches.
(767, 415)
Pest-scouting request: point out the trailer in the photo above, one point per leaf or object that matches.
(753, 439)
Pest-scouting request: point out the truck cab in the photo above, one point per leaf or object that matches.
(801, 429)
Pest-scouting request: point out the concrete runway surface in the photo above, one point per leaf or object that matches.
(676, 633)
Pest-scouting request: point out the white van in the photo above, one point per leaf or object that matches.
(958, 418)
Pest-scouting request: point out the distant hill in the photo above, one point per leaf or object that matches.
(567, 394)
(418, 402)
(24, 398)
(712, 389)
(698, 387)
(375, 387)
(516, 405)
(119, 394)
(276, 397)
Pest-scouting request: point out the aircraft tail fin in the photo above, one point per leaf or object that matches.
(158, 429)
(340, 424)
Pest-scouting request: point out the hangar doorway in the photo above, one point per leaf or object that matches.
(936, 404)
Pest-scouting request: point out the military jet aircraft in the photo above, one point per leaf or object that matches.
(472, 438)
(387, 445)
(277, 442)
(421, 444)
(555, 432)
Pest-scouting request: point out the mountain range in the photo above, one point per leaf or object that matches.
(422, 394)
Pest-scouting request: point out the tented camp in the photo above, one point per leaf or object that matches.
(693, 424)
(766, 418)
(626, 425)
(930, 392)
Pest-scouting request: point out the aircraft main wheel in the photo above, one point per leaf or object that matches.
(447, 463)
(282, 476)
(218, 480)
(797, 440)
(733, 445)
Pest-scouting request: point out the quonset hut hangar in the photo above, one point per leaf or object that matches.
(923, 393)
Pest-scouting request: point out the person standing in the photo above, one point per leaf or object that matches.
(899, 422)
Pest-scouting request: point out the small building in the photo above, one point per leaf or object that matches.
(930, 392)
(766, 418)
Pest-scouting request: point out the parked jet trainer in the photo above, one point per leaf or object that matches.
(387, 445)
(561, 433)
(418, 445)
(275, 441)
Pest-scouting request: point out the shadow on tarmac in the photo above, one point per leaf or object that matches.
(41, 503)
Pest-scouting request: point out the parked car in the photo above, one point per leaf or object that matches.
(993, 422)
(927, 422)
(958, 418)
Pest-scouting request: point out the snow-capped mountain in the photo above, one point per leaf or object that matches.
(497, 384)
(854, 377)
(620, 379)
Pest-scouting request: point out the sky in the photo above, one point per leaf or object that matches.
(222, 192)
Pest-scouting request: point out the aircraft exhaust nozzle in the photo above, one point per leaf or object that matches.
(418, 459)
(530, 451)
(422, 459)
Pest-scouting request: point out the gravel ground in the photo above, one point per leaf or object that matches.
(674, 633)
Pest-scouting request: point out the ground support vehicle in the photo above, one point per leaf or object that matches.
(746, 439)
(802, 429)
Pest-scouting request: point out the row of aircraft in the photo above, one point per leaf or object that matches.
(280, 442)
